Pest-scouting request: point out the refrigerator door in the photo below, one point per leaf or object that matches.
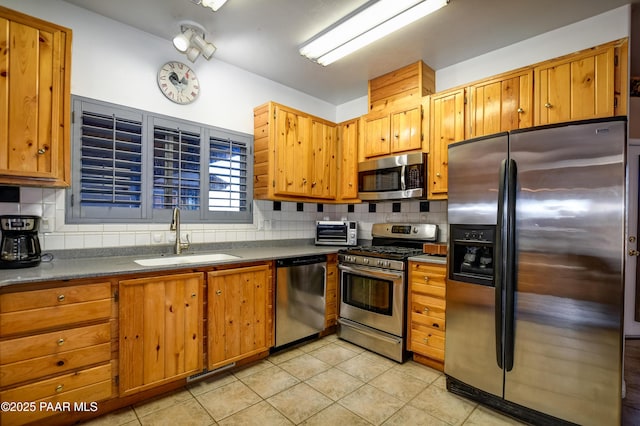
(470, 345)
(474, 166)
(569, 284)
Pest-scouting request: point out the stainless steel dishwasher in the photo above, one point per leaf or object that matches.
(300, 297)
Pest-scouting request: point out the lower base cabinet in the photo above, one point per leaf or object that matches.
(239, 313)
(427, 305)
(161, 331)
(55, 350)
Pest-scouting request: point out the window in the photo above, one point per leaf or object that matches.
(135, 166)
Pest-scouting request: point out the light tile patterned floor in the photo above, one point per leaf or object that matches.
(324, 382)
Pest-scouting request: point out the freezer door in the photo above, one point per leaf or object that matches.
(474, 166)
(569, 284)
(470, 344)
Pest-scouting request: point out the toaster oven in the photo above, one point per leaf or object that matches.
(336, 233)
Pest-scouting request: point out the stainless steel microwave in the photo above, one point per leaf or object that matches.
(393, 178)
(336, 233)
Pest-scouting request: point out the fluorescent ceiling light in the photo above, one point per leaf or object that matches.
(366, 26)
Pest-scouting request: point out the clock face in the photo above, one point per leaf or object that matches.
(178, 82)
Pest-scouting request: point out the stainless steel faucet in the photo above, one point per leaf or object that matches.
(175, 226)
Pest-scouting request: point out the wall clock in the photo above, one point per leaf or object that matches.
(178, 82)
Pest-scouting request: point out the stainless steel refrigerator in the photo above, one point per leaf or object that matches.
(535, 290)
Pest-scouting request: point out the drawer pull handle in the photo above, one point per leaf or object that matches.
(59, 388)
(61, 298)
(60, 342)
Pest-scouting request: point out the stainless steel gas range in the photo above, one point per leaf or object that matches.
(373, 287)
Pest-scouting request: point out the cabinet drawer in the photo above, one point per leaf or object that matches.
(82, 396)
(428, 343)
(431, 306)
(57, 342)
(427, 286)
(428, 320)
(31, 320)
(58, 385)
(34, 368)
(59, 296)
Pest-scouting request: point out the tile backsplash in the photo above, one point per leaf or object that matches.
(268, 224)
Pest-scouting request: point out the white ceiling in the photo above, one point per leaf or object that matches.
(263, 36)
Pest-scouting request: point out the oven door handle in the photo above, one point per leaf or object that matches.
(366, 332)
(371, 272)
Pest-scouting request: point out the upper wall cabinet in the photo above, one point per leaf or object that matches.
(502, 103)
(295, 155)
(580, 86)
(398, 130)
(407, 84)
(35, 65)
(348, 136)
(447, 126)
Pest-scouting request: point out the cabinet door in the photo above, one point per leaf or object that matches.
(447, 126)
(501, 104)
(376, 136)
(291, 152)
(240, 312)
(348, 160)
(322, 172)
(406, 129)
(577, 88)
(160, 330)
(331, 312)
(34, 133)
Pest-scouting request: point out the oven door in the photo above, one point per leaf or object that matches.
(373, 297)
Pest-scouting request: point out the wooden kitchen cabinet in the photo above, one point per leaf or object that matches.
(579, 86)
(348, 134)
(239, 313)
(295, 155)
(161, 331)
(331, 291)
(389, 132)
(447, 126)
(427, 306)
(55, 346)
(35, 67)
(322, 170)
(500, 104)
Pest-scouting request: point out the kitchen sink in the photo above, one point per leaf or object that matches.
(178, 260)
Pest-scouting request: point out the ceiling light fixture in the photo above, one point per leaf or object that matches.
(191, 42)
(366, 25)
(213, 4)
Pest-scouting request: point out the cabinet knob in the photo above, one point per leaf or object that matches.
(193, 295)
(61, 298)
(304, 181)
(218, 292)
(426, 310)
(60, 342)
(520, 110)
(426, 340)
(426, 279)
(397, 136)
(59, 388)
(42, 151)
(350, 183)
(633, 252)
(548, 105)
(313, 184)
(438, 174)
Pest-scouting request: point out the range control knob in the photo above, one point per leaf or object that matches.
(387, 263)
(365, 261)
(380, 262)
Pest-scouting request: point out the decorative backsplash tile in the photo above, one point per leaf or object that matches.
(268, 224)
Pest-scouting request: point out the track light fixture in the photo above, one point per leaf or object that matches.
(367, 24)
(191, 42)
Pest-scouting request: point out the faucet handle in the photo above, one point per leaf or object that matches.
(186, 245)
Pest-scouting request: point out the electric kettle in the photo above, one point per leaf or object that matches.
(20, 247)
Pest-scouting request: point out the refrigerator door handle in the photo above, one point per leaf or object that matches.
(500, 244)
(510, 271)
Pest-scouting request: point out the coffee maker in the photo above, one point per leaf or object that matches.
(20, 247)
